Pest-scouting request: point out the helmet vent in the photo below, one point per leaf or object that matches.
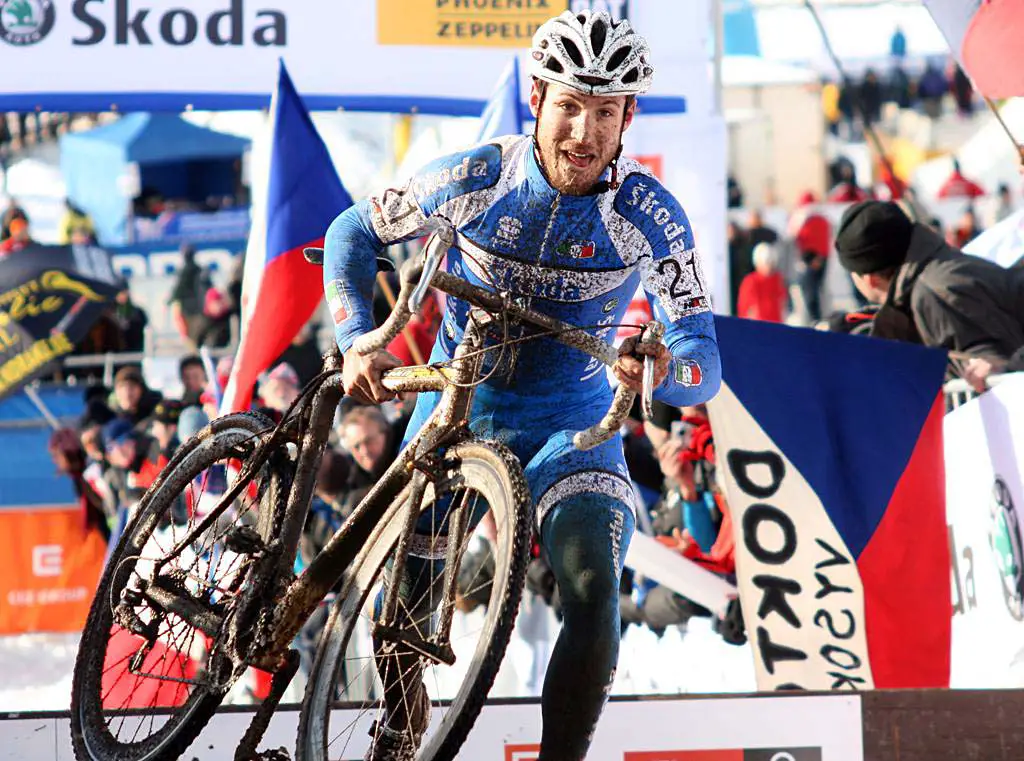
(631, 76)
(598, 35)
(552, 64)
(572, 51)
(616, 59)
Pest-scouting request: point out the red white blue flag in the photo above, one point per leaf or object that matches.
(302, 196)
(830, 450)
(984, 35)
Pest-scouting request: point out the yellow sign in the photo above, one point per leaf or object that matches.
(465, 23)
(21, 366)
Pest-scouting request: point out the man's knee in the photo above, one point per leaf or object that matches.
(584, 538)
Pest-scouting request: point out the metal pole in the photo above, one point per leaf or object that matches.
(999, 118)
(869, 129)
(43, 409)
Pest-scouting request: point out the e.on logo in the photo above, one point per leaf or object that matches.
(47, 560)
(522, 752)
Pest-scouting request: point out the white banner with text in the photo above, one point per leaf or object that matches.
(431, 56)
(985, 496)
(795, 728)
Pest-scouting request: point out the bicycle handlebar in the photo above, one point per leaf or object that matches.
(418, 274)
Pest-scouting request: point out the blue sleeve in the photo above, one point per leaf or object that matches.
(351, 248)
(695, 370)
(698, 521)
(673, 280)
(362, 232)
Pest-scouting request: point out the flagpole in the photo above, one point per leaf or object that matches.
(999, 118)
(869, 129)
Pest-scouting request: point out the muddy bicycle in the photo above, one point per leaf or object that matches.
(201, 586)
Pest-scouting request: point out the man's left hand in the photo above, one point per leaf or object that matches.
(629, 368)
(978, 369)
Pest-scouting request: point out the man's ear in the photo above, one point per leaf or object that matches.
(536, 94)
(627, 118)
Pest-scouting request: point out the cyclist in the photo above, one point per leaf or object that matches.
(561, 221)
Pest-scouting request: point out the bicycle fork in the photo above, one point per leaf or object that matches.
(388, 629)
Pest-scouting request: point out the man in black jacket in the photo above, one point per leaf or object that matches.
(932, 293)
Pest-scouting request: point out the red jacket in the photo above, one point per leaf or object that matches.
(814, 235)
(762, 297)
(721, 558)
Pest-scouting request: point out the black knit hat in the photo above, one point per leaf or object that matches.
(873, 236)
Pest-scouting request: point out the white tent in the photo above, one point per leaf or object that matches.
(989, 157)
(860, 33)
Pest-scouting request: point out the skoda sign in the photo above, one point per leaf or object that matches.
(1005, 541)
(25, 22)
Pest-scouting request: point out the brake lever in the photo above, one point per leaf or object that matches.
(437, 246)
(653, 332)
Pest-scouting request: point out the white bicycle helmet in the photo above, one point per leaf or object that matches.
(589, 52)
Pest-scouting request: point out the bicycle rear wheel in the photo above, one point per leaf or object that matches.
(344, 664)
(146, 682)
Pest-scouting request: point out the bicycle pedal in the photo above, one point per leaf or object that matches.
(244, 540)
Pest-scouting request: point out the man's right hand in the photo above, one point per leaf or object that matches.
(361, 375)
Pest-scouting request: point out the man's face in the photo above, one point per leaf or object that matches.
(578, 135)
(164, 432)
(872, 287)
(365, 441)
(121, 454)
(128, 393)
(279, 394)
(193, 378)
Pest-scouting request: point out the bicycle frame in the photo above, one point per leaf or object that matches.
(447, 425)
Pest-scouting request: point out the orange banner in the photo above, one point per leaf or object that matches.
(49, 567)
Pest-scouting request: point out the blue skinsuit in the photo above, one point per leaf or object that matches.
(580, 259)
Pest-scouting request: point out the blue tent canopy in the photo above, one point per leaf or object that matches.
(175, 158)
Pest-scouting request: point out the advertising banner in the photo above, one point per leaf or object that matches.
(795, 728)
(428, 56)
(46, 305)
(49, 566)
(985, 498)
(192, 227)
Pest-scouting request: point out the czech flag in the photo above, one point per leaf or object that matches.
(301, 197)
(830, 451)
(501, 116)
(984, 35)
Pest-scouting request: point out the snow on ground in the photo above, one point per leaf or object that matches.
(37, 668)
(36, 671)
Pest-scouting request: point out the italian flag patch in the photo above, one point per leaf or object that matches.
(337, 302)
(688, 373)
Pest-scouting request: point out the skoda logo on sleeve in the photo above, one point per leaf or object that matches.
(25, 22)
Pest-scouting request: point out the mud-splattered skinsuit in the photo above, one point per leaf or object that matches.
(580, 259)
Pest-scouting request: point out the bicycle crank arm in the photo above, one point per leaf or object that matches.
(171, 600)
(436, 653)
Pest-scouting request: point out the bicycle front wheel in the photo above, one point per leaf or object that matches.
(147, 677)
(484, 478)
